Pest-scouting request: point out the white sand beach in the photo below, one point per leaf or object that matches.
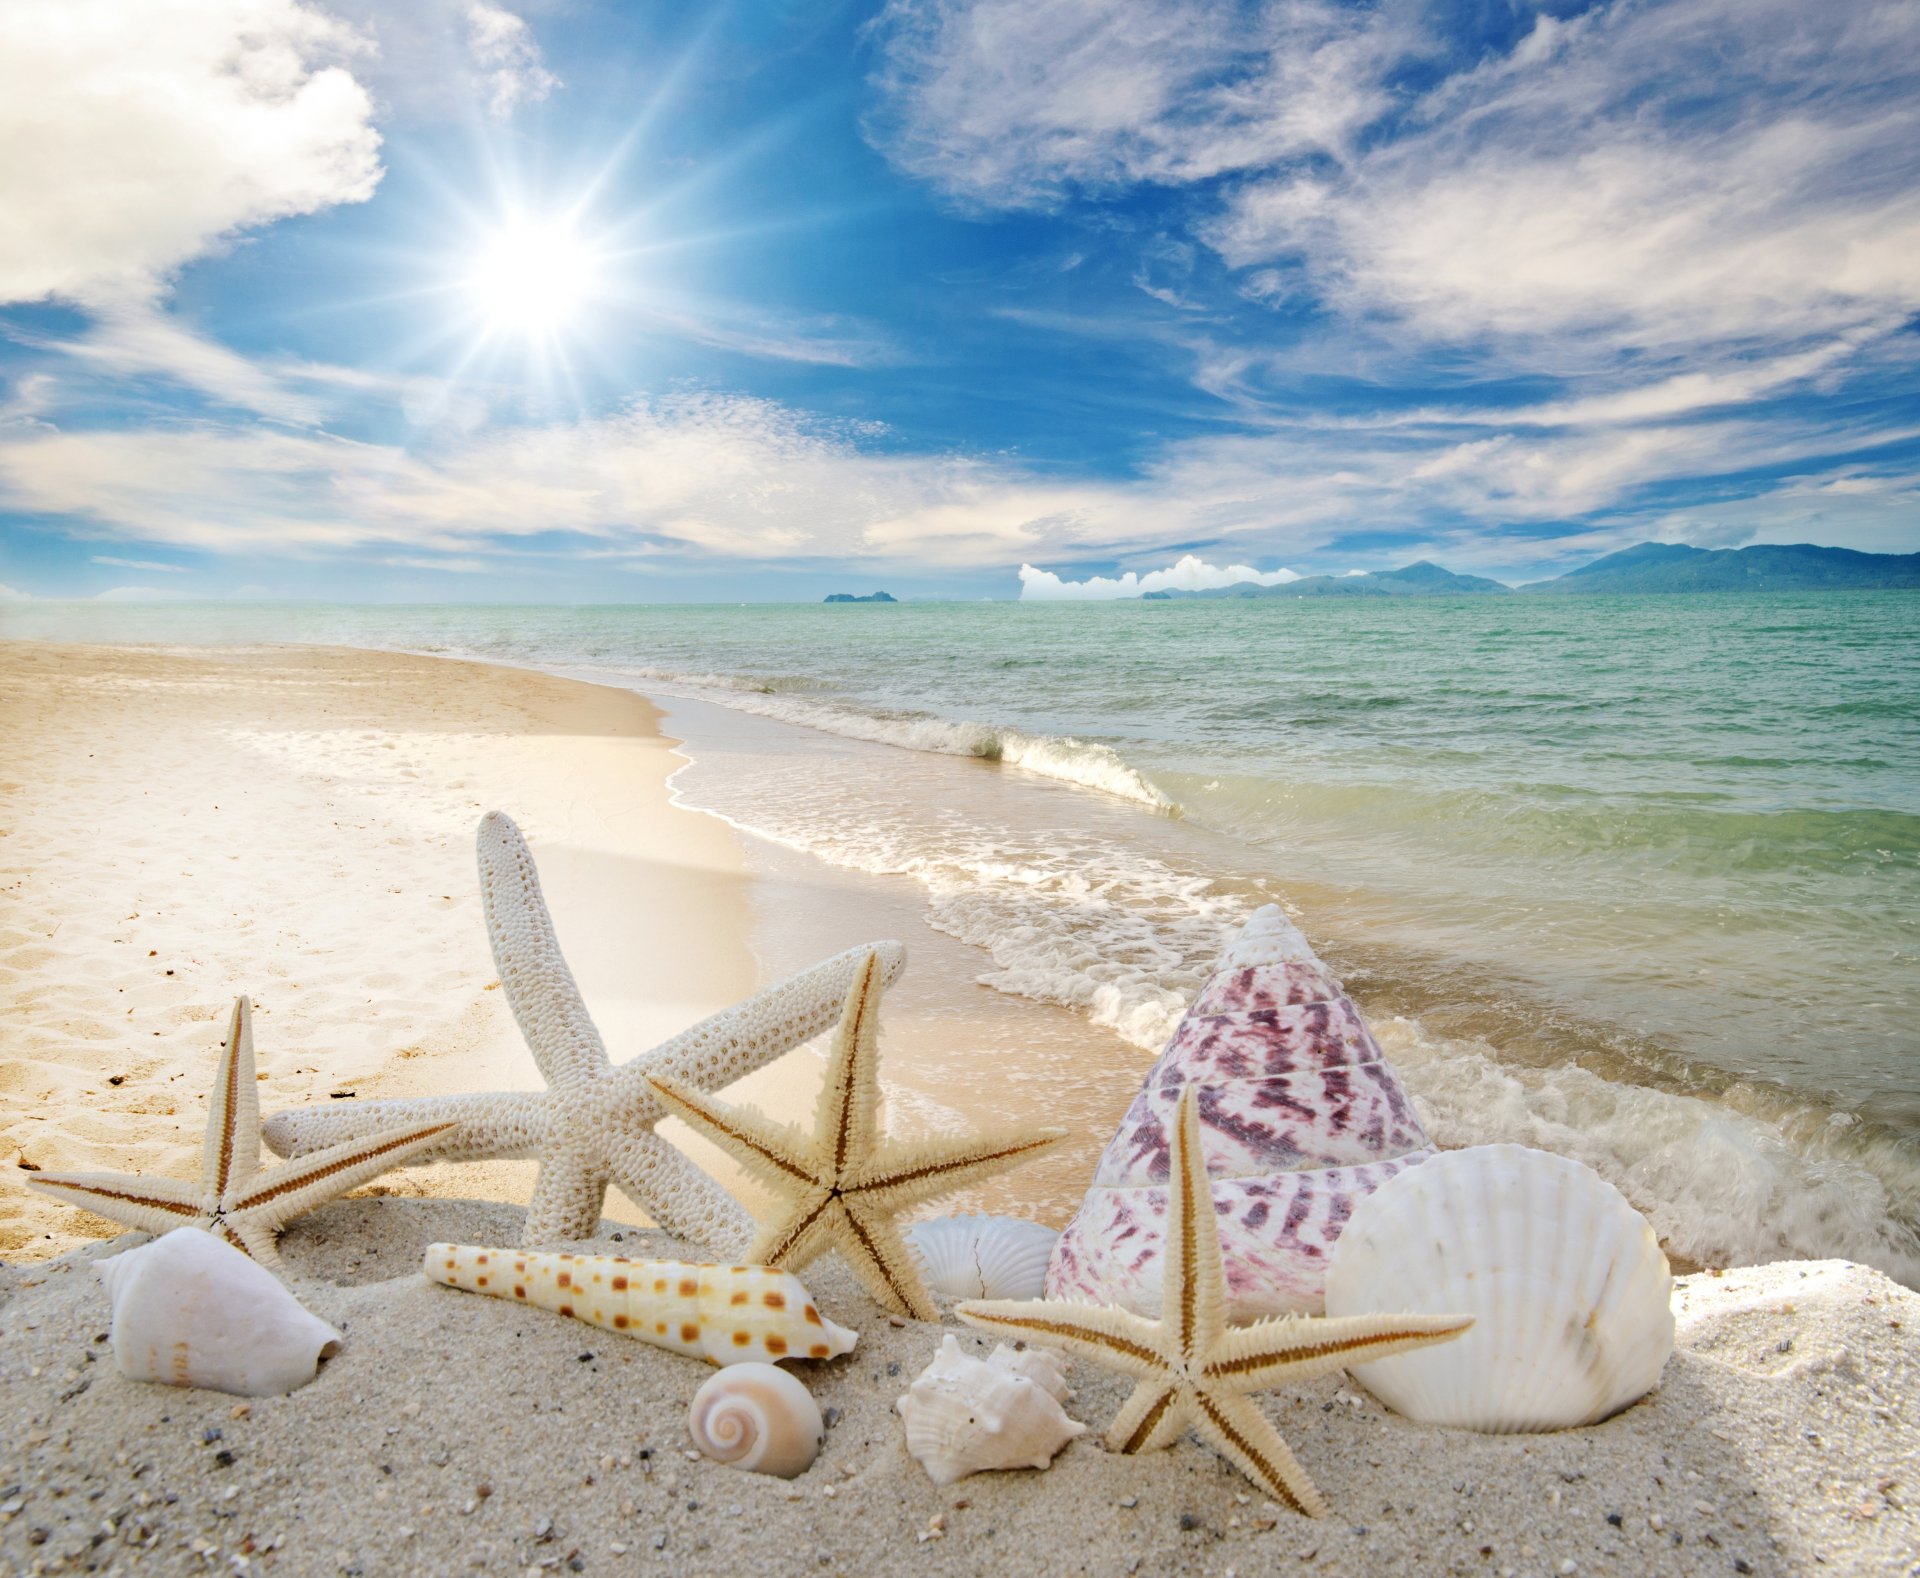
(296, 824)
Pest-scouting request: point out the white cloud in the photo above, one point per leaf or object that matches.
(10, 594)
(504, 49)
(143, 132)
(138, 564)
(1006, 102)
(1189, 573)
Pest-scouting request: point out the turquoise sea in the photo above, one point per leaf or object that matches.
(1634, 878)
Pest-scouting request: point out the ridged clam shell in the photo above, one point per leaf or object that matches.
(984, 1257)
(1570, 1293)
(1300, 1117)
(191, 1310)
(964, 1416)
(759, 1418)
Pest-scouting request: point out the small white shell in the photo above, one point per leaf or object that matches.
(191, 1310)
(757, 1417)
(1570, 1294)
(964, 1416)
(984, 1257)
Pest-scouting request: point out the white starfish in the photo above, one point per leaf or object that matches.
(234, 1199)
(593, 1125)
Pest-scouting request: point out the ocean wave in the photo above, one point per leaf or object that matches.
(1085, 763)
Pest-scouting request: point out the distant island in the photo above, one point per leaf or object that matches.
(1648, 567)
(1414, 580)
(848, 597)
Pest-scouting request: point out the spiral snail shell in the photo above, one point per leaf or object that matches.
(757, 1417)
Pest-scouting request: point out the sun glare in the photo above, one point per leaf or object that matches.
(533, 278)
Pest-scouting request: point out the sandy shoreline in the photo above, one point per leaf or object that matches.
(297, 824)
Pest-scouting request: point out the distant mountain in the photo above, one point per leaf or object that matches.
(1793, 567)
(848, 597)
(1413, 580)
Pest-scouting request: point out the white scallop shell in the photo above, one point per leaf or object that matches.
(191, 1310)
(964, 1416)
(1570, 1293)
(984, 1257)
(757, 1417)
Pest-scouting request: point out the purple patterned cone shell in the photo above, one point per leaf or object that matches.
(1300, 1116)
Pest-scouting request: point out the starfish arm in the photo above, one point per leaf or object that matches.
(771, 1151)
(232, 1148)
(509, 1125)
(678, 1195)
(153, 1205)
(539, 987)
(848, 1109)
(1290, 1348)
(255, 1240)
(750, 1035)
(1193, 1292)
(804, 1229)
(877, 1254)
(900, 1176)
(1105, 1335)
(568, 1197)
(1243, 1435)
(1152, 1418)
(273, 1198)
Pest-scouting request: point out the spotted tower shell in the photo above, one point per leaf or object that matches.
(1301, 1116)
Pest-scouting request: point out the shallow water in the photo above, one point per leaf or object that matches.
(1637, 878)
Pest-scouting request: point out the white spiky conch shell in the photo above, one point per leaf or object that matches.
(1301, 1115)
(191, 1310)
(984, 1257)
(965, 1415)
(759, 1418)
(1570, 1293)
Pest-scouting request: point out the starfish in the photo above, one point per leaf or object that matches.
(1190, 1366)
(593, 1125)
(841, 1187)
(234, 1199)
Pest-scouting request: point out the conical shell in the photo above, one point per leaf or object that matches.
(723, 1314)
(759, 1418)
(1569, 1291)
(984, 1257)
(191, 1310)
(1301, 1116)
(965, 1416)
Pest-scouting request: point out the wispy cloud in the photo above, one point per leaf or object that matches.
(507, 58)
(138, 564)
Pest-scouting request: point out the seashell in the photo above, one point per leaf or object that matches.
(1570, 1293)
(1300, 1117)
(964, 1416)
(1043, 1366)
(984, 1257)
(723, 1314)
(189, 1309)
(759, 1418)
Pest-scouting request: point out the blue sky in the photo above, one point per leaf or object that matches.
(643, 302)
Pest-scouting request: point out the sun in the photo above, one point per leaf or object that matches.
(533, 278)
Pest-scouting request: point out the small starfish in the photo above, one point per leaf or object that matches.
(1192, 1368)
(593, 1125)
(841, 1187)
(234, 1200)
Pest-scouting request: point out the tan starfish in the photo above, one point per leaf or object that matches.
(842, 1187)
(234, 1199)
(1194, 1369)
(594, 1124)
